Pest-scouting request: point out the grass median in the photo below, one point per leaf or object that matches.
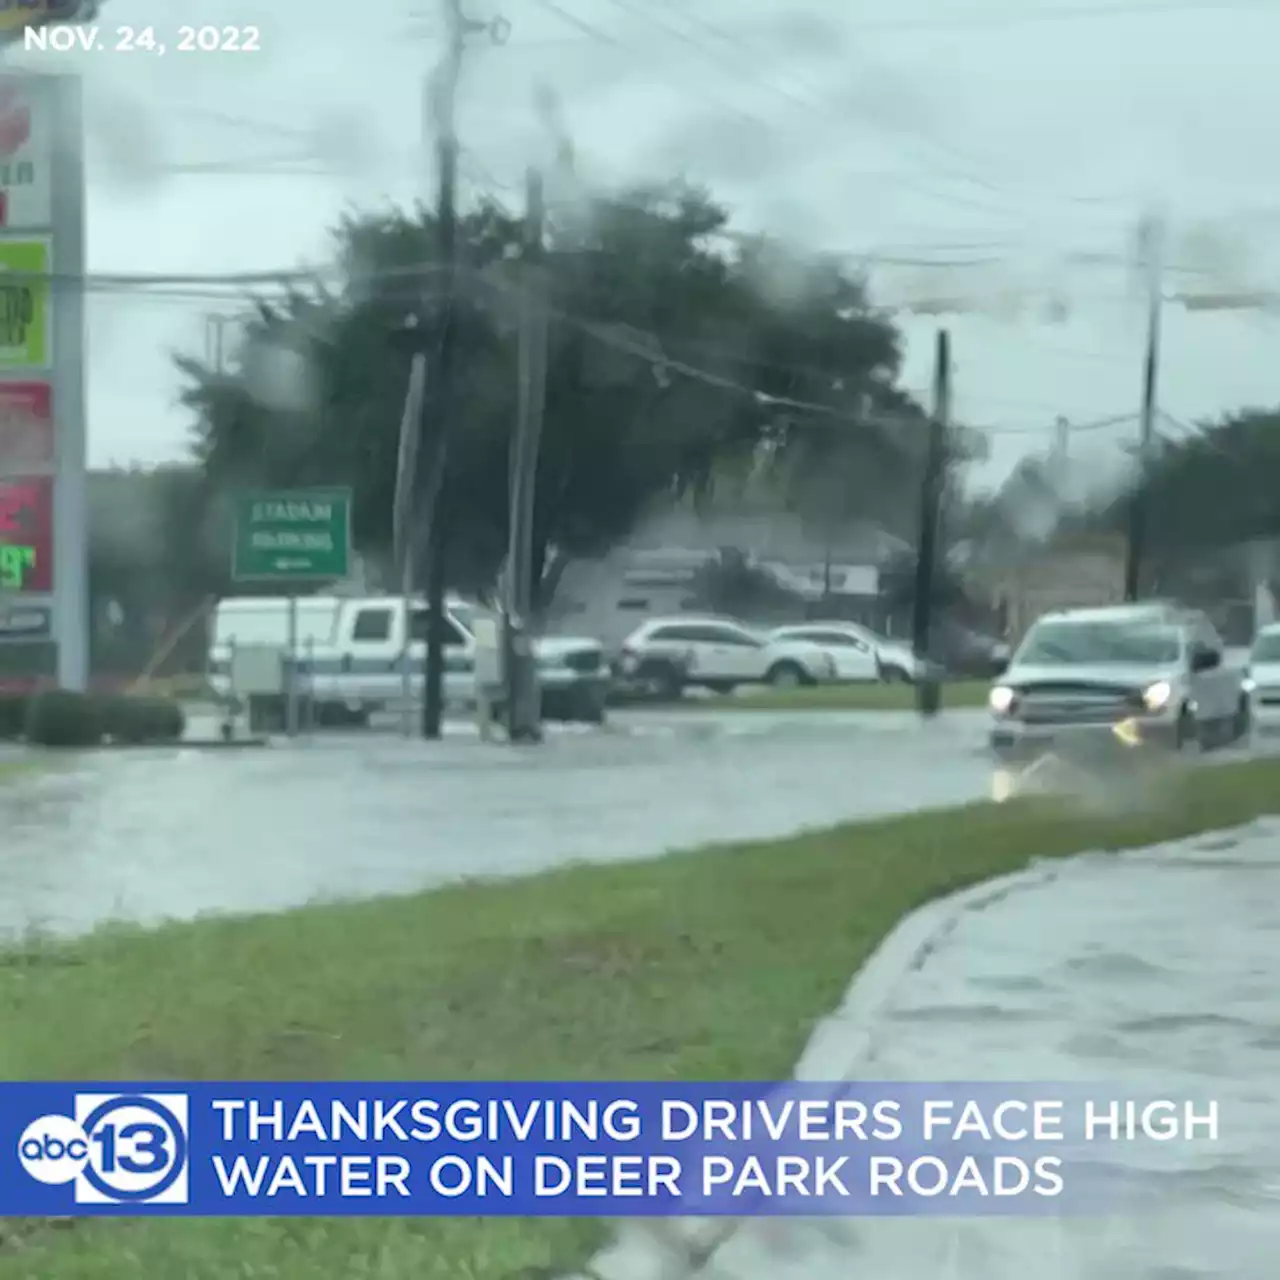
(13, 770)
(710, 964)
(894, 696)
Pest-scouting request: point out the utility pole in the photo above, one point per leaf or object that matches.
(1151, 248)
(215, 343)
(523, 697)
(1061, 439)
(928, 690)
(438, 407)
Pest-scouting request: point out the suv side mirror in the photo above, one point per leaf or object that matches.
(1205, 659)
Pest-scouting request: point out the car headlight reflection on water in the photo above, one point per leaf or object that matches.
(1001, 699)
(1156, 697)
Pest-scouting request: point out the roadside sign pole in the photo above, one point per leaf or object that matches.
(406, 666)
(291, 672)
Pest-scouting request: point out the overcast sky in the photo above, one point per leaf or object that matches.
(1011, 134)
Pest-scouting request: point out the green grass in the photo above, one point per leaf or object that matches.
(839, 697)
(11, 770)
(711, 964)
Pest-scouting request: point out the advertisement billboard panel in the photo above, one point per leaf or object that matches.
(26, 535)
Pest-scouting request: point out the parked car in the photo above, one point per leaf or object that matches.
(1156, 668)
(352, 653)
(720, 654)
(961, 651)
(644, 675)
(1262, 679)
(858, 652)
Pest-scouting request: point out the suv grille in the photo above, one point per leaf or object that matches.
(1075, 703)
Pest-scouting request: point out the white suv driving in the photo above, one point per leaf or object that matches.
(1158, 668)
(719, 654)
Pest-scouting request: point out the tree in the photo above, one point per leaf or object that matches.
(1212, 490)
(663, 331)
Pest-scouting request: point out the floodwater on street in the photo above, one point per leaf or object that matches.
(144, 835)
(1154, 972)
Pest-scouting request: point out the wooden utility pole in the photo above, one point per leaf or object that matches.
(215, 342)
(1061, 439)
(1151, 247)
(928, 690)
(438, 409)
(523, 697)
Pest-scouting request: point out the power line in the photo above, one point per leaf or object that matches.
(750, 73)
(599, 35)
(753, 54)
(1096, 424)
(1064, 13)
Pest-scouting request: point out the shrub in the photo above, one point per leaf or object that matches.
(13, 716)
(61, 718)
(137, 719)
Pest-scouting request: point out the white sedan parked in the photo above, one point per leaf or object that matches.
(720, 654)
(857, 651)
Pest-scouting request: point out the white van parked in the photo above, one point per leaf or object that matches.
(352, 651)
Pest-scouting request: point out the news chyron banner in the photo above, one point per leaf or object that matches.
(598, 1150)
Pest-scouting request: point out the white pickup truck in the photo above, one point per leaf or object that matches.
(352, 653)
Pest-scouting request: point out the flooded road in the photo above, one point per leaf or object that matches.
(145, 835)
(1155, 972)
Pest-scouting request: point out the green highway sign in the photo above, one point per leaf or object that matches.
(292, 535)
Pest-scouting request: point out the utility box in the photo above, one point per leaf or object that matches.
(488, 673)
(488, 655)
(260, 682)
(258, 670)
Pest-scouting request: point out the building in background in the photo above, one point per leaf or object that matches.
(663, 570)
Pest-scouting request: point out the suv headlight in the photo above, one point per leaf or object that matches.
(1001, 699)
(1247, 682)
(1156, 697)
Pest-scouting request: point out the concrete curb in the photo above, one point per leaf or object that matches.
(684, 1248)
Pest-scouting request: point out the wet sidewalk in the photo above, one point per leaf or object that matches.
(1157, 972)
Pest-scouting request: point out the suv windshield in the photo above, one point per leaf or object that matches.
(1087, 642)
(1267, 648)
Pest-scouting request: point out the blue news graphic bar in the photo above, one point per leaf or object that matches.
(567, 1149)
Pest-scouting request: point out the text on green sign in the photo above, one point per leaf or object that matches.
(292, 512)
(283, 540)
